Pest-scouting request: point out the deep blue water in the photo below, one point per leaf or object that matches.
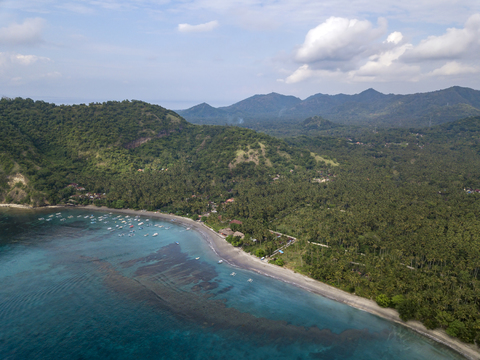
(72, 289)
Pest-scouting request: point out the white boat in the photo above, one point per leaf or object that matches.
(140, 223)
(41, 218)
(250, 280)
(145, 235)
(188, 228)
(233, 274)
(220, 261)
(109, 228)
(155, 234)
(197, 258)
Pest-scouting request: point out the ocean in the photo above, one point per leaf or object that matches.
(71, 288)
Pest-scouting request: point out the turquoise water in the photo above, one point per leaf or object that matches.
(72, 289)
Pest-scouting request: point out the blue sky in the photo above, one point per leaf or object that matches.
(181, 53)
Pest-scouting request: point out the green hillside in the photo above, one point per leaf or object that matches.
(102, 147)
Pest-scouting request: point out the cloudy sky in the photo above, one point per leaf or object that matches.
(181, 53)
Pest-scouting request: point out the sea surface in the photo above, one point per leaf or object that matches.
(70, 288)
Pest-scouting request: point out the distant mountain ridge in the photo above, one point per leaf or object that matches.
(369, 107)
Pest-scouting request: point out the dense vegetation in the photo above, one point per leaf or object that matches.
(398, 220)
(102, 147)
(395, 210)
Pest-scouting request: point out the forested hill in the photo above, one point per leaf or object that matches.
(369, 107)
(44, 148)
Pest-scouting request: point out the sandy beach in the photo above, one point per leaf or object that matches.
(237, 257)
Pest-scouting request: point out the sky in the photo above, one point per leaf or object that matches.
(181, 53)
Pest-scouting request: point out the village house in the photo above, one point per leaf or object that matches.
(226, 232)
(239, 234)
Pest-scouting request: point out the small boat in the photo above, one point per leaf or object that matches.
(155, 234)
(120, 227)
(79, 216)
(109, 228)
(233, 274)
(58, 214)
(176, 242)
(41, 218)
(71, 216)
(188, 228)
(145, 235)
(49, 219)
(131, 226)
(197, 258)
(140, 228)
(250, 280)
(140, 223)
(220, 261)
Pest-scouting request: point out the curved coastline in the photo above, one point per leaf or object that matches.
(237, 257)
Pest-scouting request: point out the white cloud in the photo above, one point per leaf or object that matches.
(302, 73)
(454, 68)
(454, 44)
(350, 50)
(209, 26)
(395, 37)
(386, 62)
(338, 39)
(28, 33)
(9, 59)
(17, 69)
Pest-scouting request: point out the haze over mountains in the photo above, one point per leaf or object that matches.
(369, 107)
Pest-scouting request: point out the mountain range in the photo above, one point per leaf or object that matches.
(369, 107)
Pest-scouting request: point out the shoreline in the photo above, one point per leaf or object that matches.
(238, 258)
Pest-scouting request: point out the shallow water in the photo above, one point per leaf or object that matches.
(72, 289)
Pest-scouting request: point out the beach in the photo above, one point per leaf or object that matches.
(238, 258)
